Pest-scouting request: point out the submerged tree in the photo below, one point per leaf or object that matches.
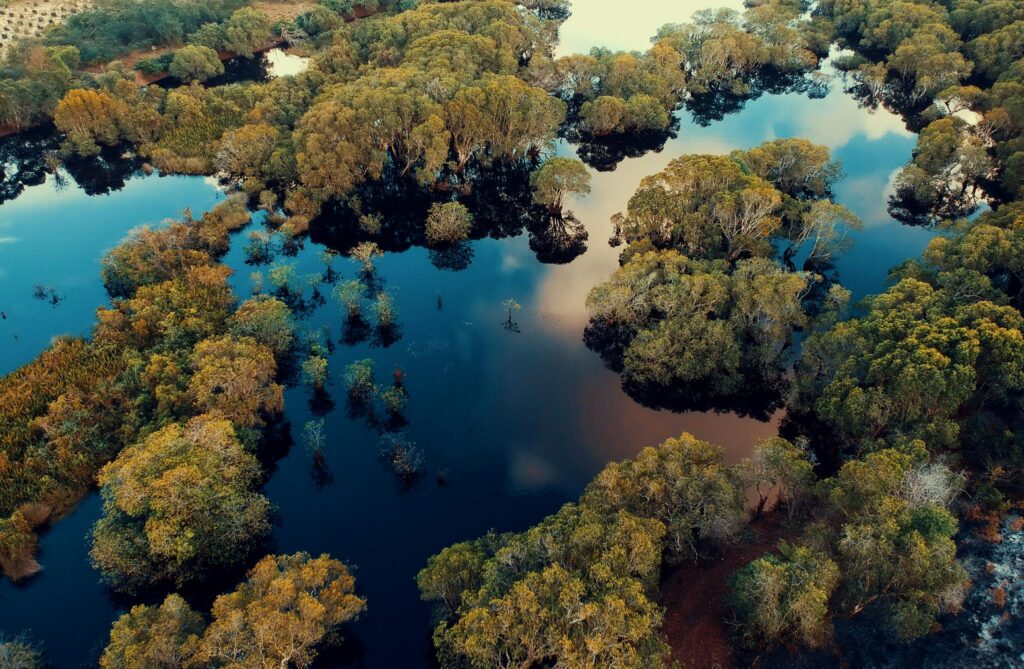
(510, 306)
(17, 653)
(690, 333)
(448, 223)
(279, 617)
(365, 252)
(177, 504)
(557, 178)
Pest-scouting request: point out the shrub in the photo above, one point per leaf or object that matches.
(448, 223)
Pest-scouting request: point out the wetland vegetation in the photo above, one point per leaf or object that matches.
(381, 206)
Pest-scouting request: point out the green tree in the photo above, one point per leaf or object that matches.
(195, 63)
(785, 598)
(684, 484)
(949, 164)
(895, 545)
(780, 467)
(246, 31)
(314, 371)
(689, 331)
(910, 366)
(447, 223)
(575, 590)
(19, 654)
(557, 178)
(705, 207)
(266, 320)
(796, 166)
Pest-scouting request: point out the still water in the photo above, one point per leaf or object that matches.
(514, 422)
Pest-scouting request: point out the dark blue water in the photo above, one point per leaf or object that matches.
(517, 422)
(55, 235)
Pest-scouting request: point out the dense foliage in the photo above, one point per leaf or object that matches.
(700, 315)
(171, 369)
(163, 407)
(114, 27)
(579, 589)
(289, 606)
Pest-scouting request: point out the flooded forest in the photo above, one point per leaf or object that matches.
(526, 334)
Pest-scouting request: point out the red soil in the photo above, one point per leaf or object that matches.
(695, 595)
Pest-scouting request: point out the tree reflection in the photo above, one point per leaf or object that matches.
(605, 153)
(558, 239)
(453, 258)
(27, 159)
(716, 104)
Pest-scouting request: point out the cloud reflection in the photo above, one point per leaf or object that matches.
(588, 26)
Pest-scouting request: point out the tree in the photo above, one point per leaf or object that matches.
(503, 114)
(825, 225)
(942, 179)
(246, 31)
(314, 371)
(266, 320)
(781, 467)
(704, 206)
(327, 150)
(785, 598)
(154, 637)
(177, 503)
(172, 314)
(88, 119)
(556, 178)
(895, 545)
(910, 366)
(235, 377)
(795, 166)
(604, 116)
(574, 590)
(447, 223)
(19, 654)
(195, 63)
(452, 573)
(350, 295)
(288, 606)
(993, 247)
(684, 484)
(691, 333)
(365, 252)
(994, 52)
(251, 153)
(930, 60)
(359, 380)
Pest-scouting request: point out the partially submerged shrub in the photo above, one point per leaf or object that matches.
(447, 223)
